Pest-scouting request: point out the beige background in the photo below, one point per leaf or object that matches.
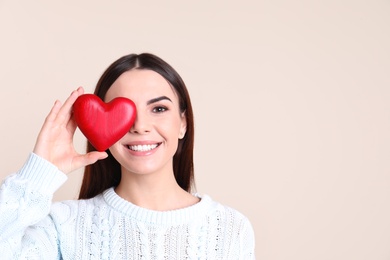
(291, 102)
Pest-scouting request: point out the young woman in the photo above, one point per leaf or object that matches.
(135, 200)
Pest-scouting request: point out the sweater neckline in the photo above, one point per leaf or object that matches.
(170, 217)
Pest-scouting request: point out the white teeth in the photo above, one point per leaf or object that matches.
(142, 148)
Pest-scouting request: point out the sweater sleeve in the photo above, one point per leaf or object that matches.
(247, 241)
(26, 229)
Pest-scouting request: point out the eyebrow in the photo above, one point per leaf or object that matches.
(154, 100)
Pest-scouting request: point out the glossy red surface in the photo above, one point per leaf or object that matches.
(103, 123)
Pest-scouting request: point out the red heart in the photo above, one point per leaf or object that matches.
(103, 123)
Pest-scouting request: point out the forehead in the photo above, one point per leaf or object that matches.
(140, 85)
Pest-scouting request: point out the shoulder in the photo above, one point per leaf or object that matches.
(233, 226)
(227, 215)
(69, 210)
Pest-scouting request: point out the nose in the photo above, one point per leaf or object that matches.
(141, 124)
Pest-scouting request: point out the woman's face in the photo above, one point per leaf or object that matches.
(151, 143)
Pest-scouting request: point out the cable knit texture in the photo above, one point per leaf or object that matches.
(109, 227)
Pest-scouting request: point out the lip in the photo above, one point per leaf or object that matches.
(142, 143)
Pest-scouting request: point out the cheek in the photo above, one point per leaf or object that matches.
(171, 128)
(114, 150)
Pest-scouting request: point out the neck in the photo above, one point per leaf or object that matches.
(154, 191)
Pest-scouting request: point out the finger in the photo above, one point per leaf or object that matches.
(66, 110)
(71, 125)
(89, 158)
(54, 111)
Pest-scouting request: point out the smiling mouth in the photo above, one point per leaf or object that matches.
(143, 148)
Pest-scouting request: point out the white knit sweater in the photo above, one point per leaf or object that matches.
(108, 227)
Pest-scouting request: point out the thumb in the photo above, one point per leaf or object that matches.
(89, 158)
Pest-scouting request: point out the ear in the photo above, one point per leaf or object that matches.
(183, 125)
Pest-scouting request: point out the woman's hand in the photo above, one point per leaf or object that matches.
(55, 140)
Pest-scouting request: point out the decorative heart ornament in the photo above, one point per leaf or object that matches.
(103, 123)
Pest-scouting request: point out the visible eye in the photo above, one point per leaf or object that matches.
(159, 109)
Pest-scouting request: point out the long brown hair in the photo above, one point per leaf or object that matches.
(106, 173)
